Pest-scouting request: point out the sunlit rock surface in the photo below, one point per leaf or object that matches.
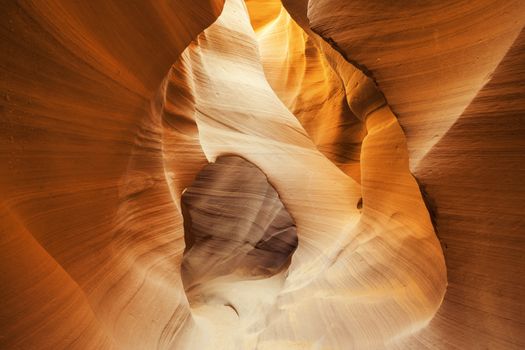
(258, 175)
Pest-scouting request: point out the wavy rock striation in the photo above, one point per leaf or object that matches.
(456, 45)
(373, 241)
(231, 175)
(77, 79)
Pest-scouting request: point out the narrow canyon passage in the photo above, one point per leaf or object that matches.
(365, 241)
(262, 174)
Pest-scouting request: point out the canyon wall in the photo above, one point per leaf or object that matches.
(262, 175)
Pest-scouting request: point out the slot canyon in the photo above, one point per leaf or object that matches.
(262, 174)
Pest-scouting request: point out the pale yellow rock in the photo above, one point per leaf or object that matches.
(378, 272)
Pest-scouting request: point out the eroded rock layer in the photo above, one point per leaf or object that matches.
(430, 59)
(373, 240)
(231, 175)
(77, 79)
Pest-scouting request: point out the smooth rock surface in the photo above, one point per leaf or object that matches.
(262, 175)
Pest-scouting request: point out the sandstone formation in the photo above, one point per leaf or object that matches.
(311, 174)
(455, 45)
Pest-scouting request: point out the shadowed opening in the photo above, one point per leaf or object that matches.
(236, 227)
